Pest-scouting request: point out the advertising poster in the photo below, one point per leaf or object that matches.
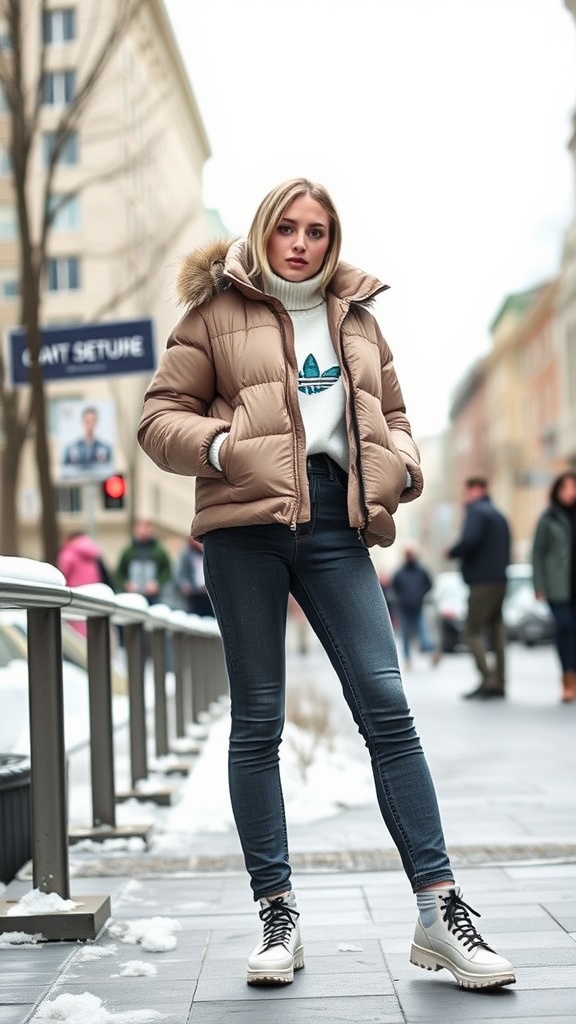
(86, 440)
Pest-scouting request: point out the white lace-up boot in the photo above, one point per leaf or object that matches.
(280, 953)
(446, 937)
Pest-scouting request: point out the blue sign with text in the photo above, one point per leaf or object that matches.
(86, 350)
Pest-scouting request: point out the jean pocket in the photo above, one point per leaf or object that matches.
(340, 478)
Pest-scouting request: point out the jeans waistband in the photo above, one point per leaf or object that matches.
(323, 464)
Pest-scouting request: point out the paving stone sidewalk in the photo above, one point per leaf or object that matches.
(357, 929)
(505, 777)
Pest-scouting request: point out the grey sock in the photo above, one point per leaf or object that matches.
(426, 903)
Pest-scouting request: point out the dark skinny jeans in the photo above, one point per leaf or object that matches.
(250, 572)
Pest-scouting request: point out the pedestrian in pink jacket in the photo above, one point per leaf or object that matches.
(80, 561)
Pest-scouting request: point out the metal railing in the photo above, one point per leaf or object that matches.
(200, 678)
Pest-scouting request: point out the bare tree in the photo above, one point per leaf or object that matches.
(23, 91)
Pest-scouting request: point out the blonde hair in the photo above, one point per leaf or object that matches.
(271, 211)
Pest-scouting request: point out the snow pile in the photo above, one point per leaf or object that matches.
(37, 902)
(69, 1009)
(137, 969)
(20, 939)
(89, 953)
(155, 934)
(15, 726)
(120, 844)
(339, 775)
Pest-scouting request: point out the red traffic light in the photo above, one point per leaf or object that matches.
(114, 486)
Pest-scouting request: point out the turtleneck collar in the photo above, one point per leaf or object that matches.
(294, 295)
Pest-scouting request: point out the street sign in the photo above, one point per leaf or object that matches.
(85, 350)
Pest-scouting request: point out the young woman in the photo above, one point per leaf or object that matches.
(554, 564)
(278, 393)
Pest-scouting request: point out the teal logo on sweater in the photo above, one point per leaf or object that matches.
(311, 381)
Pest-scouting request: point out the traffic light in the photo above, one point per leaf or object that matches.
(114, 491)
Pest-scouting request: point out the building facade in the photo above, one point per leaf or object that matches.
(127, 196)
(505, 414)
(567, 319)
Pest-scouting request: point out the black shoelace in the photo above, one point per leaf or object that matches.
(279, 920)
(457, 916)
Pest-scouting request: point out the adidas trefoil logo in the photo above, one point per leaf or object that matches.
(311, 381)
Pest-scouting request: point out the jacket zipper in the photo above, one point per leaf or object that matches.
(363, 507)
(294, 520)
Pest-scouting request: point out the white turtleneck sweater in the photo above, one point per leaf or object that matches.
(320, 388)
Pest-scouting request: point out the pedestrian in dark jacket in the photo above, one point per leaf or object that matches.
(410, 585)
(484, 553)
(554, 565)
(189, 579)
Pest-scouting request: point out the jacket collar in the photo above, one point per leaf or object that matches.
(212, 268)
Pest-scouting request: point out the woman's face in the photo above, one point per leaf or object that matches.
(567, 492)
(300, 240)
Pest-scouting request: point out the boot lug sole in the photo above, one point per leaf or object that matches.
(430, 961)
(281, 977)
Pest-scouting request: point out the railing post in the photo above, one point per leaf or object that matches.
(101, 723)
(192, 683)
(158, 648)
(178, 648)
(199, 676)
(48, 750)
(40, 589)
(134, 641)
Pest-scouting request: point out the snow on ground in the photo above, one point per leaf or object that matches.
(14, 720)
(334, 779)
(321, 774)
(70, 1009)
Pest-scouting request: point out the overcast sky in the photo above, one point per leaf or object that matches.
(440, 129)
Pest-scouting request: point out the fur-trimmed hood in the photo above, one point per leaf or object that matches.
(201, 274)
(211, 269)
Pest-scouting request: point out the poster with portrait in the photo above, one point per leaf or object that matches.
(86, 432)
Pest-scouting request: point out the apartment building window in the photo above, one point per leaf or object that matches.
(59, 26)
(69, 154)
(58, 88)
(66, 212)
(9, 285)
(5, 162)
(7, 222)
(63, 274)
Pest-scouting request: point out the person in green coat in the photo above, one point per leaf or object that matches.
(554, 567)
(144, 566)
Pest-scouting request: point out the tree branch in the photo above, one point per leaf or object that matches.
(71, 116)
(158, 250)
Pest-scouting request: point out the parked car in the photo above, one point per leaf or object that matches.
(536, 624)
(525, 618)
(519, 596)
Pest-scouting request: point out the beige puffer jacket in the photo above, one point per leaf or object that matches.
(230, 365)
